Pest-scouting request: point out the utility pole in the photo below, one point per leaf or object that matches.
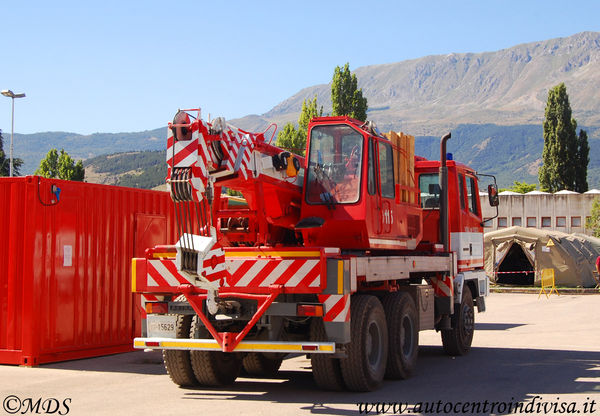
(10, 94)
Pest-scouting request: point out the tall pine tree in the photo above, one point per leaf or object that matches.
(346, 98)
(583, 159)
(564, 153)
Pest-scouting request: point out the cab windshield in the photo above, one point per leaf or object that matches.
(334, 165)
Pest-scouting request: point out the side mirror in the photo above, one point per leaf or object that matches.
(493, 195)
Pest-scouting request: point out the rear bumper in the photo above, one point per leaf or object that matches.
(244, 346)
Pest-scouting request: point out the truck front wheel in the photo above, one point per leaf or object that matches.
(364, 367)
(457, 341)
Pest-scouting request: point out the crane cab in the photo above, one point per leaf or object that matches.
(351, 188)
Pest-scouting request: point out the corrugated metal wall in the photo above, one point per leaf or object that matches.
(65, 266)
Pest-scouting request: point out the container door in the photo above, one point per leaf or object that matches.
(65, 290)
(150, 231)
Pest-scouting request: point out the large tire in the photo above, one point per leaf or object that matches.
(326, 370)
(258, 364)
(364, 367)
(213, 368)
(457, 341)
(177, 362)
(403, 327)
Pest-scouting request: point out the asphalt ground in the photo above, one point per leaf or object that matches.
(533, 355)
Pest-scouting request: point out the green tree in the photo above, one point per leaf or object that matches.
(291, 139)
(562, 150)
(521, 187)
(593, 222)
(5, 161)
(583, 159)
(294, 139)
(61, 166)
(346, 98)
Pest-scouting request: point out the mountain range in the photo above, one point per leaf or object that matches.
(492, 101)
(433, 94)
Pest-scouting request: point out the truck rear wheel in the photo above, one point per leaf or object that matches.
(364, 367)
(457, 341)
(177, 362)
(326, 370)
(403, 326)
(213, 368)
(259, 364)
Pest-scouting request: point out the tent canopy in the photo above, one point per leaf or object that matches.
(529, 250)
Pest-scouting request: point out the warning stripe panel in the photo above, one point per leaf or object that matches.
(302, 275)
(337, 307)
(240, 272)
(164, 273)
(186, 153)
(284, 270)
(311, 275)
(443, 287)
(264, 272)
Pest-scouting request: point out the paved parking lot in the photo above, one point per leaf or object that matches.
(541, 353)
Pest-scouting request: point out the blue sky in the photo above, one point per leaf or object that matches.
(116, 66)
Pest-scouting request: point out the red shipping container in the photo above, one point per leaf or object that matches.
(65, 285)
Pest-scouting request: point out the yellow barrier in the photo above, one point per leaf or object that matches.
(548, 282)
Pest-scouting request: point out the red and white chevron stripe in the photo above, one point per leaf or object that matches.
(214, 267)
(164, 273)
(250, 273)
(183, 153)
(337, 307)
(261, 273)
(199, 155)
(443, 287)
(237, 142)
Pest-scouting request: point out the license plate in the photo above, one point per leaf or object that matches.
(162, 326)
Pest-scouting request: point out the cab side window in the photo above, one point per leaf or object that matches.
(472, 195)
(371, 169)
(429, 184)
(386, 169)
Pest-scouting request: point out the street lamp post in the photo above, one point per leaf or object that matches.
(10, 94)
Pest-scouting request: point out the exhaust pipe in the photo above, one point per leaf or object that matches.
(444, 193)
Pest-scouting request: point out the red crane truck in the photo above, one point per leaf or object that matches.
(345, 255)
